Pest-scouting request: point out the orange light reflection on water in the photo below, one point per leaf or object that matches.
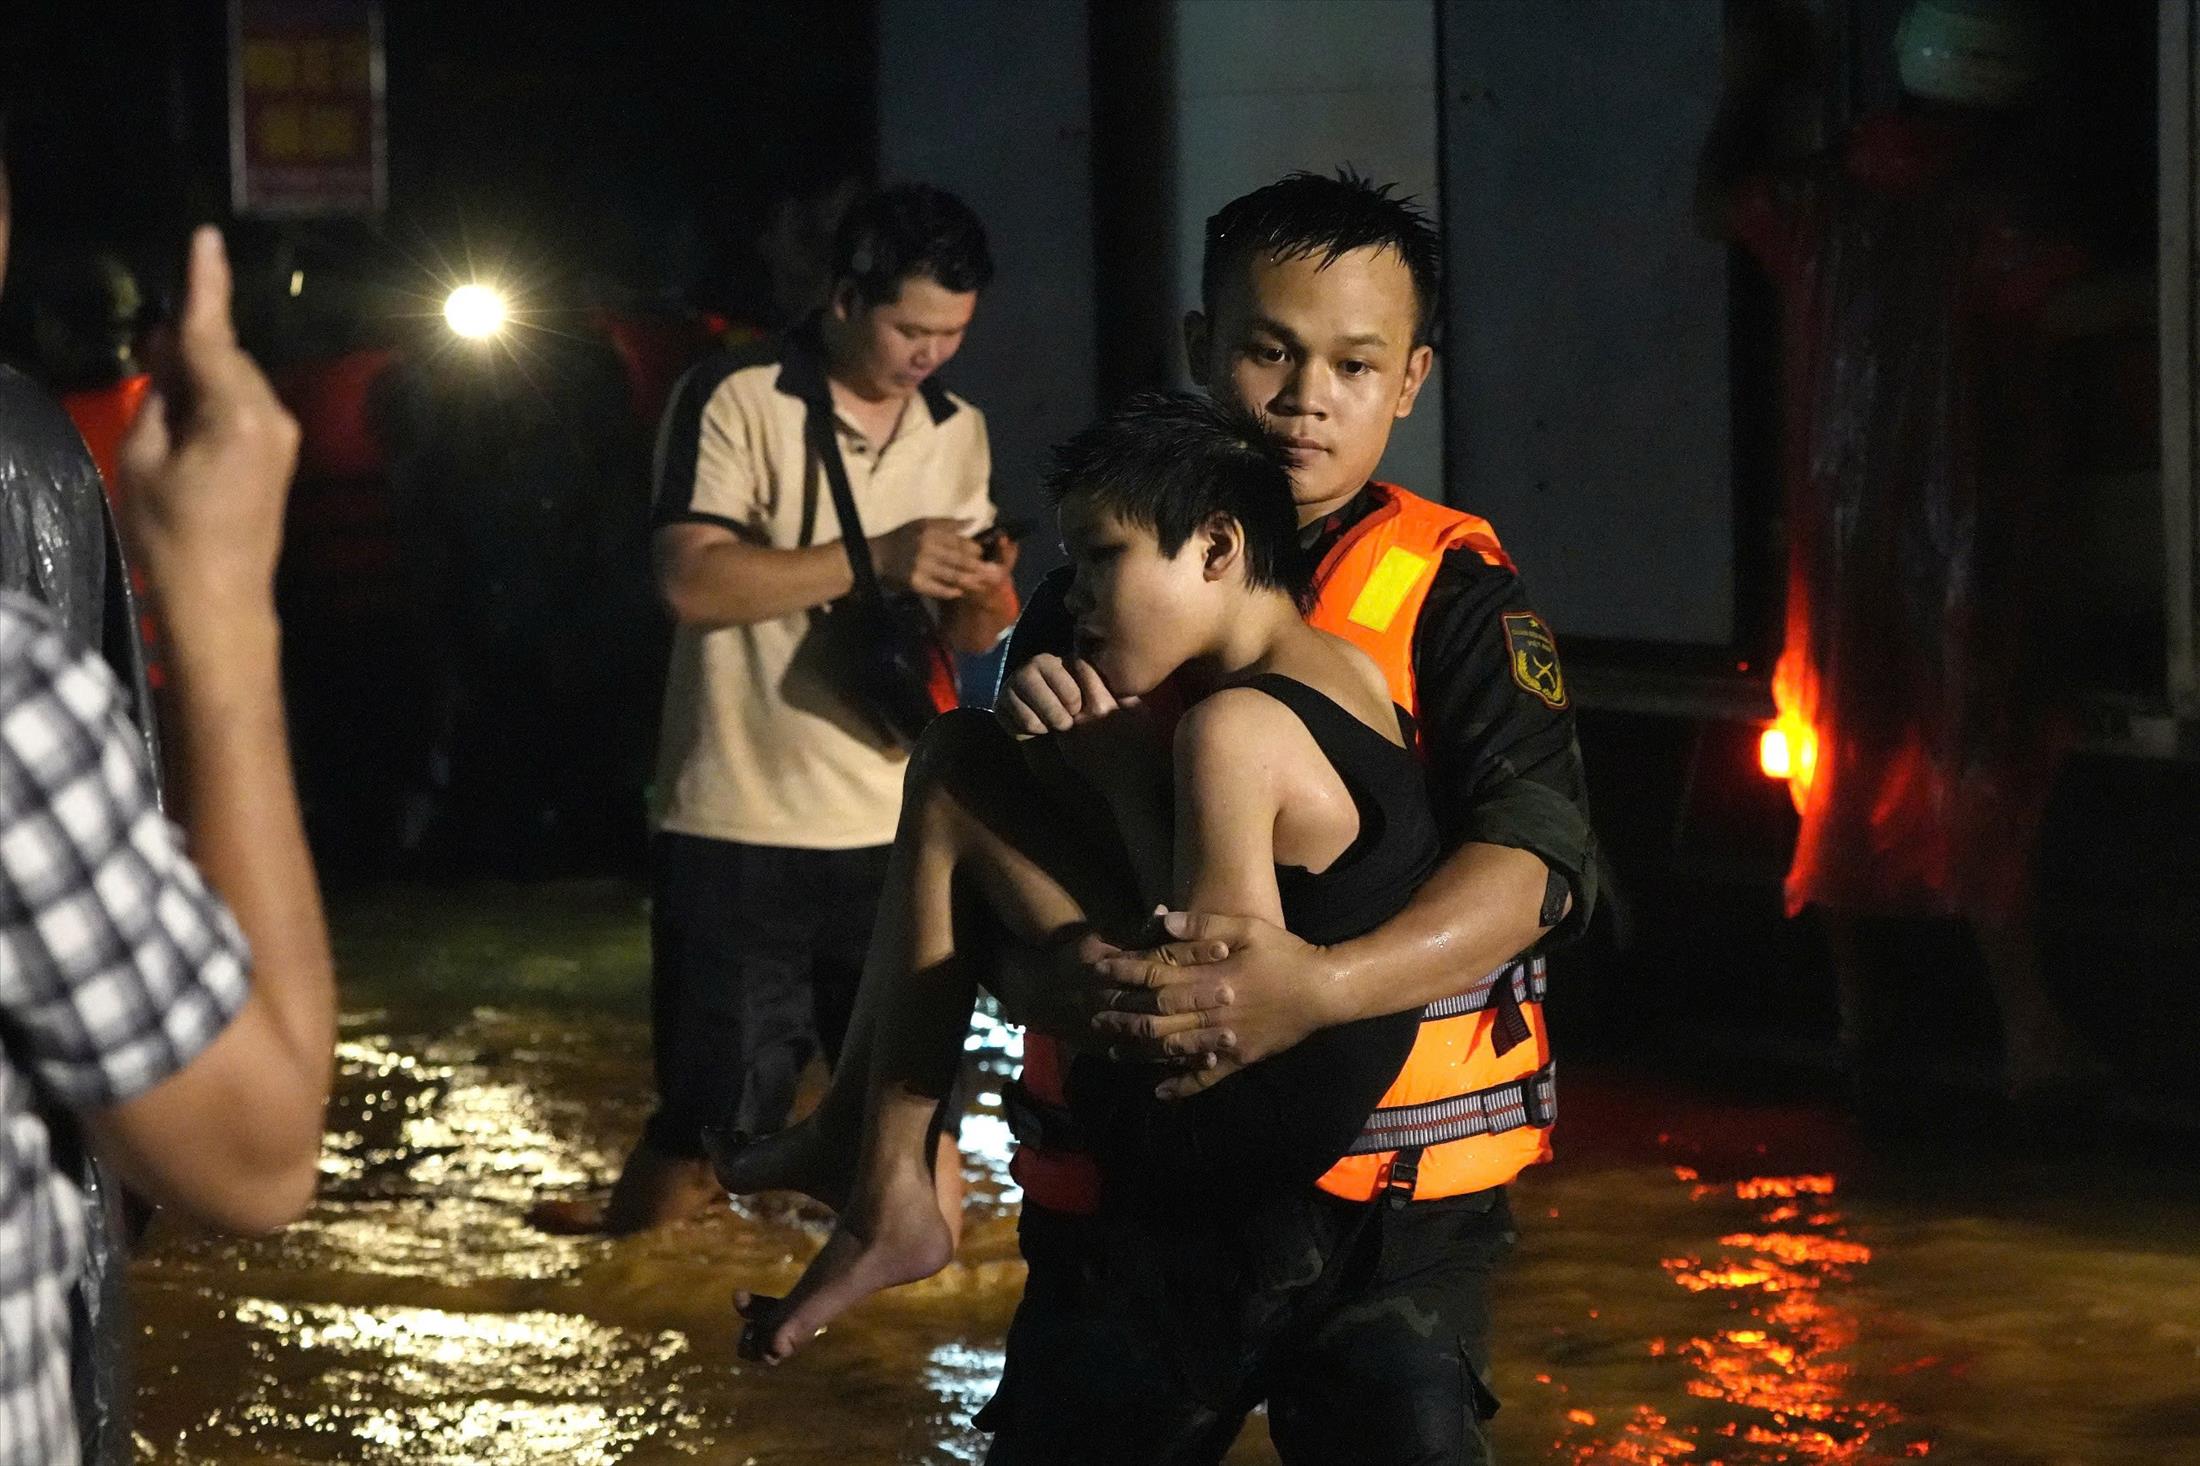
(1781, 1383)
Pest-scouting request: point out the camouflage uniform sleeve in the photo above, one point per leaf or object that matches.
(1504, 766)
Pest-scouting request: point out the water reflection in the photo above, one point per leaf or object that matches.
(1806, 1309)
(964, 1378)
(997, 1048)
(415, 1317)
(409, 1122)
(1778, 1383)
(396, 1384)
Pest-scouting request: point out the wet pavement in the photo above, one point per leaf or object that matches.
(1701, 1279)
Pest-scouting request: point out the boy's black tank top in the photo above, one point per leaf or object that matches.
(1281, 1123)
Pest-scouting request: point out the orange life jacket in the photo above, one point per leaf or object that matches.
(1055, 1171)
(1473, 1105)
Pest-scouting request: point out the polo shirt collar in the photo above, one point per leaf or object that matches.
(802, 371)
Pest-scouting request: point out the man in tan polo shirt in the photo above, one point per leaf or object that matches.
(776, 795)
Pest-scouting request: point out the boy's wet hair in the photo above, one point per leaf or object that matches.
(1309, 215)
(908, 232)
(1167, 461)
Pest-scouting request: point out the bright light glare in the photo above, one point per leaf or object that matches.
(1789, 750)
(476, 312)
(1773, 754)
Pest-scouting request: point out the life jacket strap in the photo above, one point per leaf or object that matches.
(1509, 989)
(1531, 1099)
(1034, 1121)
(1524, 979)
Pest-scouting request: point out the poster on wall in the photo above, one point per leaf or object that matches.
(306, 119)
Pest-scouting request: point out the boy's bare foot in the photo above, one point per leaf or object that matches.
(653, 1190)
(898, 1237)
(805, 1157)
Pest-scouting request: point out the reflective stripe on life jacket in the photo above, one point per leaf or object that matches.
(1475, 1096)
(1524, 980)
(1531, 1100)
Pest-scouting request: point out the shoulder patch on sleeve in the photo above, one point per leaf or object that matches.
(1534, 657)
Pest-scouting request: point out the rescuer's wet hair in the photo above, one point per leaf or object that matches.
(907, 232)
(1312, 216)
(1167, 461)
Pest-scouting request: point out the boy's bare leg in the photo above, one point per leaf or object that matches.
(982, 774)
(976, 825)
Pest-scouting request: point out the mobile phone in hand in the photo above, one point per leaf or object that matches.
(1004, 532)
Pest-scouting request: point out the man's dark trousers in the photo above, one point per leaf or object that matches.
(756, 952)
(1387, 1367)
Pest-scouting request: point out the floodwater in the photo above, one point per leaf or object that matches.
(1699, 1281)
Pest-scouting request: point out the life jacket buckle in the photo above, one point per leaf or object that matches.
(1034, 1121)
(1405, 1174)
(1541, 1111)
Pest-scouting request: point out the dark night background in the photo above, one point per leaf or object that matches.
(472, 665)
(632, 157)
(462, 623)
(645, 144)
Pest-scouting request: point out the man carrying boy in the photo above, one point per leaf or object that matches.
(1318, 296)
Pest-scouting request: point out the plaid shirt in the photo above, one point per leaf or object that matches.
(117, 967)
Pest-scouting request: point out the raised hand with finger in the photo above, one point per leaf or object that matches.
(207, 463)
